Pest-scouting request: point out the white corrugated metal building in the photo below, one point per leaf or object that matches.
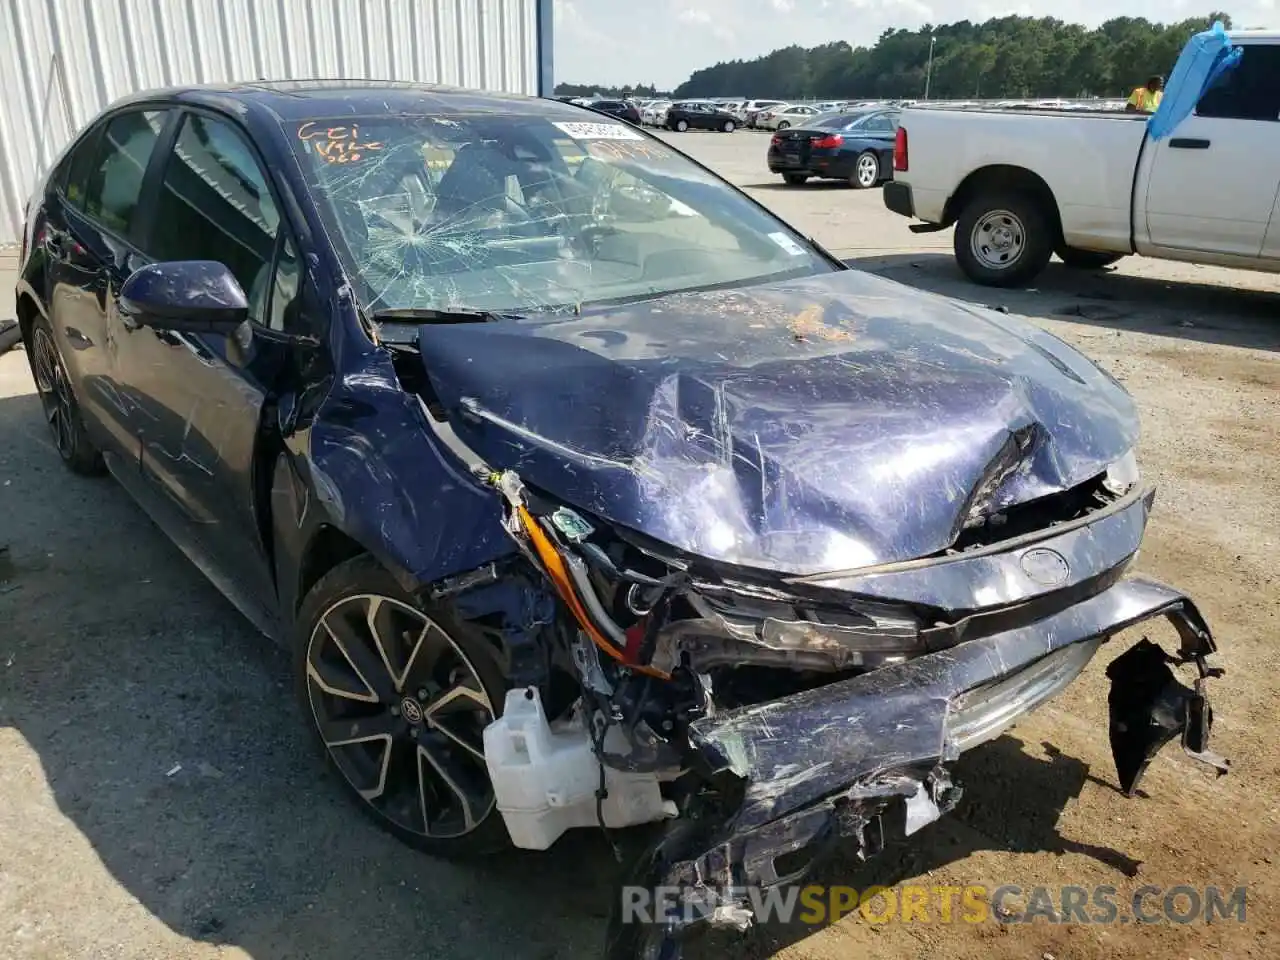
(62, 61)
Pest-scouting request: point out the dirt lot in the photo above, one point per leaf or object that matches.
(158, 799)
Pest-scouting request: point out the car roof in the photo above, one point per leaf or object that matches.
(293, 100)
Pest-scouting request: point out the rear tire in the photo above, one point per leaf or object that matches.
(1079, 259)
(1003, 239)
(866, 171)
(397, 692)
(58, 400)
(795, 179)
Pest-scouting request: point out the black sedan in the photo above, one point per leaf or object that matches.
(584, 490)
(699, 115)
(854, 147)
(622, 109)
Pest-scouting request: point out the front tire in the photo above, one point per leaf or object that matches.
(1086, 259)
(866, 171)
(1003, 239)
(784, 125)
(397, 693)
(58, 400)
(728, 126)
(682, 126)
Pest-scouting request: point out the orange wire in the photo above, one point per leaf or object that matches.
(555, 568)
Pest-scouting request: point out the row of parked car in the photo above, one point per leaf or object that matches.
(837, 140)
(725, 115)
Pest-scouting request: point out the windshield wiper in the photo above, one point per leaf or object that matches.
(416, 315)
(400, 324)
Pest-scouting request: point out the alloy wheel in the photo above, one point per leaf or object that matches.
(867, 170)
(55, 392)
(997, 239)
(401, 711)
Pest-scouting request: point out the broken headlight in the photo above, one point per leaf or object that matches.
(1122, 474)
(654, 616)
(618, 608)
(744, 626)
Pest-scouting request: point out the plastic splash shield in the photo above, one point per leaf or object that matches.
(1205, 58)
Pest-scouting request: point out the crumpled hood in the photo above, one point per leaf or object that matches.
(804, 426)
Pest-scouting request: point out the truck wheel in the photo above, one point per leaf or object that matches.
(1086, 259)
(1003, 240)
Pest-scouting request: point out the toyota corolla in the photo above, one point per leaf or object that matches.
(585, 490)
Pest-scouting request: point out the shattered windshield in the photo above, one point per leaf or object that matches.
(517, 213)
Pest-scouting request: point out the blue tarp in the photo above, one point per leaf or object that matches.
(1205, 58)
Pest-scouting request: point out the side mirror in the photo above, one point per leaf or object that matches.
(192, 296)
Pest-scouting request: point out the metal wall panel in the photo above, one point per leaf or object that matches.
(62, 61)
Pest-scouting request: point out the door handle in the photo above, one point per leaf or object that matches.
(1188, 143)
(173, 338)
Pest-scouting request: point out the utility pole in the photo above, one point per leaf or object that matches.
(928, 72)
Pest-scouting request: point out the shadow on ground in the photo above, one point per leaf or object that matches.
(167, 734)
(807, 185)
(1200, 312)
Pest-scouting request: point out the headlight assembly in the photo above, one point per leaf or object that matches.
(1122, 474)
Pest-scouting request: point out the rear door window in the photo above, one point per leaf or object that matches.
(79, 165)
(114, 179)
(1249, 91)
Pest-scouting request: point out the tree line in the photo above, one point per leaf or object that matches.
(1002, 57)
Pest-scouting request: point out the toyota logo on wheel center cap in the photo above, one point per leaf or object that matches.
(411, 710)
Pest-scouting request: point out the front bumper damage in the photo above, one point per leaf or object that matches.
(865, 754)
(862, 759)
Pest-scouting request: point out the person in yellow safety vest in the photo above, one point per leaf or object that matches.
(1146, 99)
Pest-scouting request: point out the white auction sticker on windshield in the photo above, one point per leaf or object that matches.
(787, 244)
(598, 131)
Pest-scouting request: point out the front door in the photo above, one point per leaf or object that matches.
(1212, 182)
(214, 203)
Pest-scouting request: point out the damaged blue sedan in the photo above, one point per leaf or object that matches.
(587, 492)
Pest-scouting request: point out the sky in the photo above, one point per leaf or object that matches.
(616, 42)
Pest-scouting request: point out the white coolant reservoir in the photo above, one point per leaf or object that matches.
(545, 777)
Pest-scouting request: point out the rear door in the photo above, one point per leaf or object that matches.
(880, 129)
(91, 243)
(1212, 183)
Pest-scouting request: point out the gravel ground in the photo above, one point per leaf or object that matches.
(159, 799)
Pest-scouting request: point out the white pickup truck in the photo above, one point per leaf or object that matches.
(1094, 187)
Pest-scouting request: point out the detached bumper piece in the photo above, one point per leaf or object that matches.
(1149, 707)
(866, 757)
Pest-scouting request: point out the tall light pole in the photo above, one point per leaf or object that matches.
(928, 72)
